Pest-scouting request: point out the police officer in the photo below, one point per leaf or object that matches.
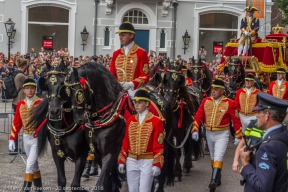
(216, 111)
(268, 170)
(245, 100)
(142, 146)
(279, 88)
(130, 64)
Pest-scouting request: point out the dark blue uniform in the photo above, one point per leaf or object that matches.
(268, 171)
(249, 26)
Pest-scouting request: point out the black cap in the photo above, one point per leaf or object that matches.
(218, 83)
(29, 82)
(250, 9)
(142, 95)
(281, 70)
(266, 101)
(249, 77)
(126, 27)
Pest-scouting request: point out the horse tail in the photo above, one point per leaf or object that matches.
(37, 117)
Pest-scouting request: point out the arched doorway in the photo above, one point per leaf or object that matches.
(139, 18)
(47, 21)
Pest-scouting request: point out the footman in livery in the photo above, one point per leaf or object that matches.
(279, 88)
(21, 119)
(142, 147)
(217, 112)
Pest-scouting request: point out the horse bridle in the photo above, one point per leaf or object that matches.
(234, 76)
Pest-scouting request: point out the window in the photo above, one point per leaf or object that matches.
(136, 17)
(106, 37)
(47, 21)
(162, 39)
(216, 20)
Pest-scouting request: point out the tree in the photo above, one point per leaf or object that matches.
(283, 6)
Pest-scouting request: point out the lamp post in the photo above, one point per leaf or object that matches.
(186, 39)
(9, 26)
(84, 36)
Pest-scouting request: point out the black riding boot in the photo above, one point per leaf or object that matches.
(37, 182)
(27, 182)
(94, 168)
(214, 180)
(87, 169)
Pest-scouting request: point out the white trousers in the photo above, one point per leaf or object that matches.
(30, 146)
(217, 143)
(245, 120)
(139, 174)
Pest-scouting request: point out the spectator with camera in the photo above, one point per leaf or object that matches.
(202, 53)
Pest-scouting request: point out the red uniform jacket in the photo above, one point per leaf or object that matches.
(217, 117)
(244, 103)
(22, 117)
(135, 65)
(145, 141)
(281, 91)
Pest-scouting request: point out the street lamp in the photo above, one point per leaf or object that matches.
(9, 26)
(186, 39)
(84, 36)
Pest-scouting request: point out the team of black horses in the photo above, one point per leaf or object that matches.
(85, 109)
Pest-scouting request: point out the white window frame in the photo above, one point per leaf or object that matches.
(132, 10)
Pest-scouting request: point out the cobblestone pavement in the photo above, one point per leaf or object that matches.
(197, 180)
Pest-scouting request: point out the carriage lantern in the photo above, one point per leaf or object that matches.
(84, 36)
(186, 39)
(9, 26)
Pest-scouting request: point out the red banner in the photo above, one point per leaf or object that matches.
(260, 5)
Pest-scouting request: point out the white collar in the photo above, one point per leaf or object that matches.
(128, 47)
(30, 100)
(217, 100)
(279, 82)
(144, 113)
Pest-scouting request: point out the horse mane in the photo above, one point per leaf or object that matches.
(185, 95)
(153, 71)
(38, 113)
(105, 86)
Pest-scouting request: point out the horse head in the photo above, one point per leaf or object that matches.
(234, 73)
(52, 84)
(173, 80)
(196, 72)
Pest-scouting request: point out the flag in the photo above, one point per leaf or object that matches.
(260, 5)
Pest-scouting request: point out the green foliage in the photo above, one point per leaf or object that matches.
(283, 5)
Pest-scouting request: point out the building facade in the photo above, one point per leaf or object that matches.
(159, 24)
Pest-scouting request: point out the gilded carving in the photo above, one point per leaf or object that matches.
(79, 96)
(53, 79)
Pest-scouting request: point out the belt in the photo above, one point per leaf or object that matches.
(147, 156)
(248, 114)
(27, 131)
(210, 128)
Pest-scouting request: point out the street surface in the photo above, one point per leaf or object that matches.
(11, 178)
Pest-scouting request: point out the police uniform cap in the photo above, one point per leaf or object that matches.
(218, 83)
(29, 82)
(250, 9)
(249, 77)
(126, 27)
(266, 101)
(281, 70)
(142, 95)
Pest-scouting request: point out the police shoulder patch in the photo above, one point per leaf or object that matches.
(263, 165)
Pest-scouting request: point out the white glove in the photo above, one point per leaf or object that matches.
(195, 136)
(156, 171)
(127, 85)
(121, 168)
(11, 145)
(237, 141)
(246, 33)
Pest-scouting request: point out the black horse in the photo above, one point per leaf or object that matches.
(235, 77)
(55, 122)
(201, 77)
(175, 92)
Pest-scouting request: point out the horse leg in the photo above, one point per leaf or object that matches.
(187, 165)
(79, 167)
(104, 182)
(59, 162)
(177, 168)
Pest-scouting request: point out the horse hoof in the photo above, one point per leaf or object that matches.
(185, 170)
(177, 179)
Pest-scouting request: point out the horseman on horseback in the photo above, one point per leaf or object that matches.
(130, 64)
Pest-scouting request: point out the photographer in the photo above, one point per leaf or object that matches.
(268, 170)
(202, 53)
